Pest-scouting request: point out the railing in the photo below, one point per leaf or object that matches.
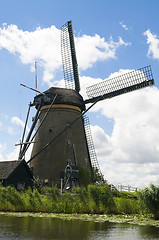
(128, 188)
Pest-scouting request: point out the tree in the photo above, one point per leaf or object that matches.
(98, 178)
(150, 198)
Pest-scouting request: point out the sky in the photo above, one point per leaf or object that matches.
(111, 38)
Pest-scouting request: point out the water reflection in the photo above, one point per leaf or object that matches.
(49, 228)
(149, 232)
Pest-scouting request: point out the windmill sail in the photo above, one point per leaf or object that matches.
(23, 150)
(119, 85)
(91, 148)
(70, 67)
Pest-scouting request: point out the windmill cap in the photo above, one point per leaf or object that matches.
(64, 96)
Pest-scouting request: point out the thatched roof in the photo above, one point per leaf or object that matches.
(65, 96)
(7, 168)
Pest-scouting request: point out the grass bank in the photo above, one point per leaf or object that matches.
(93, 200)
(94, 203)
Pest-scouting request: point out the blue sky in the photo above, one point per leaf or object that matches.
(111, 37)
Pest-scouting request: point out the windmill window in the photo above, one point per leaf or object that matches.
(58, 97)
(20, 186)
(69, 144)
(46, 181)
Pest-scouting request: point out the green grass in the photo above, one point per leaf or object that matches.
(91, 200)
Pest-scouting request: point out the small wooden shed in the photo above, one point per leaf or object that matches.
(16, 173)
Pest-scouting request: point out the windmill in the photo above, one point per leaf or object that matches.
(63, 146)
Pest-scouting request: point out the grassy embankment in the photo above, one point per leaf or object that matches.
(93, 200)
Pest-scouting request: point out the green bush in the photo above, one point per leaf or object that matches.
(126, 206)
(54, 193)
(149, 198)
(84, 176)
(98, 177)
(102, 196)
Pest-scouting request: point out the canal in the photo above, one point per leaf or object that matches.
(28, 227)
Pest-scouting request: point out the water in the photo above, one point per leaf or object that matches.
(28, 228)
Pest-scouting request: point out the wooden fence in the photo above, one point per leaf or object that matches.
(128, 188)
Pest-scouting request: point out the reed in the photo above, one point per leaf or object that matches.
(92, 200)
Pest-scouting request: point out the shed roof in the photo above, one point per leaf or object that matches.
(7, 167)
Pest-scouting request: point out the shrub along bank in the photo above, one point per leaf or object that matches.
(149, 197)
(92, 200)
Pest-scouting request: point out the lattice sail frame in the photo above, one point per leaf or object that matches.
(70, 66)
(127, 82)
(91, 148)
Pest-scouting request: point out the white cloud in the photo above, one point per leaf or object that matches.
(85, 82)
(13, 154)
(91, 49)
(120, 72)
(43, 46)
(19, 122)
(102, 141)
(131, 153)
(8, 150)
(153, 42)
(135, 175)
